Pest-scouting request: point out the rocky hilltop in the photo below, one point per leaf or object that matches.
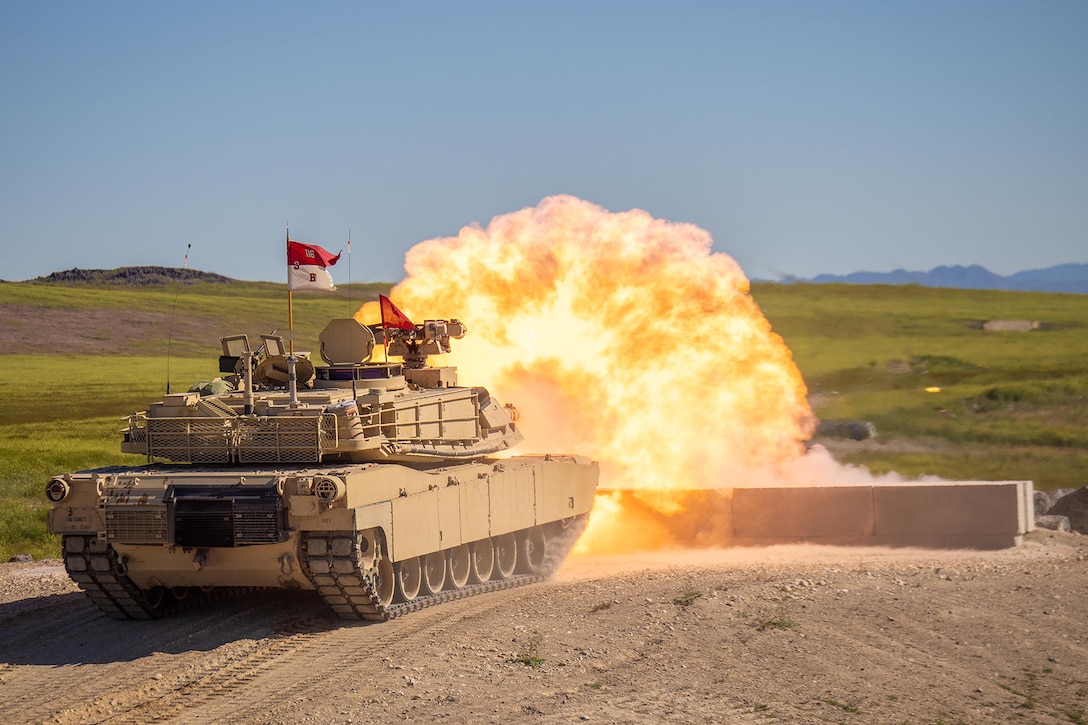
(138, 276)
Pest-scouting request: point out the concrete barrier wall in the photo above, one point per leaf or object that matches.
(959, 514)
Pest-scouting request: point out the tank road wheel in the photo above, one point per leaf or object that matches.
(408, 575)
(385, 583)
(434, 572)
(459, 563)
(506, 556)
(482, 558)
(156, 597)
(531, 545)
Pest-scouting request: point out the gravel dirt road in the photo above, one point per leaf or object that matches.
(786, 634)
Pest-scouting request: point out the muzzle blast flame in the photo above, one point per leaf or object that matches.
(624, 338)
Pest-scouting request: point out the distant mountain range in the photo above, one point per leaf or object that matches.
(1070, 278)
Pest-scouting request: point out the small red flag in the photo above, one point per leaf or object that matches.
(393, 317)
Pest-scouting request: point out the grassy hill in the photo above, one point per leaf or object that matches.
(80, 355)
(947, 397)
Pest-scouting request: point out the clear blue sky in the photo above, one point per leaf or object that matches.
(806, 136)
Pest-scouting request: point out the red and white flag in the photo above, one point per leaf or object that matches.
(392, 316)
(306, 266)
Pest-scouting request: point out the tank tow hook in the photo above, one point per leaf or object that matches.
(287, 565)
(200, 559)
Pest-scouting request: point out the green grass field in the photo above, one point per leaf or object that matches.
(1010, 405)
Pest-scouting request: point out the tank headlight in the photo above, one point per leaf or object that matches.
(328, 489)
(56, 490)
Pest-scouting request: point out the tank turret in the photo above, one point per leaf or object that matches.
(285, 408)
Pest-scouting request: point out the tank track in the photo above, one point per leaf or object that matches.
(331, 560)
(94, 565)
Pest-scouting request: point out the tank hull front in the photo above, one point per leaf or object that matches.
(197, 527)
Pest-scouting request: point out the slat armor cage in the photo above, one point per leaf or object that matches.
(447, 417)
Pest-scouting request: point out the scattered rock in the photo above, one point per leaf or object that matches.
(1054, 523)
(855, 430)
(1044, 500)
(21, 557)
(1075, 506)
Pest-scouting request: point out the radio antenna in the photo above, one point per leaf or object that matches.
(173, 309)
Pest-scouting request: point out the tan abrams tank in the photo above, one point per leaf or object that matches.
(373, 483)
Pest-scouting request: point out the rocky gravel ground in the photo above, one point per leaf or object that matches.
(785, 634)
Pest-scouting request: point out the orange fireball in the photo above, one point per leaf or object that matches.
(621, 337)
